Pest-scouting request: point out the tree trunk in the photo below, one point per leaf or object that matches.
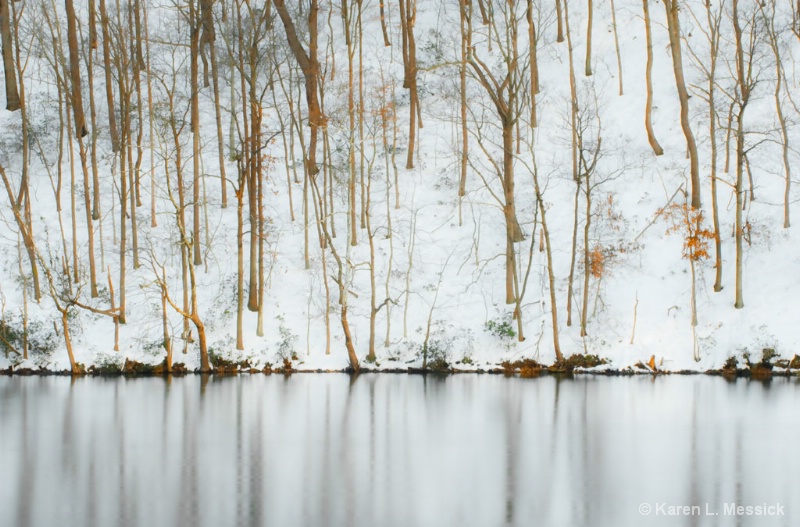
(112, 119)
(648, 122)
(712, 110)
(588, 68)
(744, 95)
(573, 253)
(351, 113)
(209, 36)
(194, 28)
(534, 65)
(465, 14)
(408, 16)
(240, 261)
(674, 30)
(560, 35)
(12, 95)
(310, 67)
(75, 71)
(550, 274)
(586, 262)
(74, 368)
(513, 230)
(386, 41)
(616, 45)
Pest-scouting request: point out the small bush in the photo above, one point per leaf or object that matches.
(107, 364)
(438, 354)
(580, 361)
(527, 368)
(501, 328)
(42, 338)
(767, 354)
(731, 364)
(287, 341)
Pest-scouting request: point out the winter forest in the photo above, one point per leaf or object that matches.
(267, 185)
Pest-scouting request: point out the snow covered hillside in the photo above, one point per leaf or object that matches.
(567, 217)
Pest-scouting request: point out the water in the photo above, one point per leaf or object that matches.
(396, 450)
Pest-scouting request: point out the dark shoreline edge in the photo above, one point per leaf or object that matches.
(498, 370)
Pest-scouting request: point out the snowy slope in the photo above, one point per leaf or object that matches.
(645, 281)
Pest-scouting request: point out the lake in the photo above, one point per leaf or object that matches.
(398, 450)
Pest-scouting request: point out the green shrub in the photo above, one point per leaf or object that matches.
(501, 327)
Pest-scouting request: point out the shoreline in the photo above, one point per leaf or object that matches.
(179, 370)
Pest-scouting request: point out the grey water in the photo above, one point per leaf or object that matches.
(398, 450)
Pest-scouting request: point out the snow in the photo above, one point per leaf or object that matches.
(646, 280)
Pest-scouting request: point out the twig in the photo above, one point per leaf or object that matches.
(655, 218)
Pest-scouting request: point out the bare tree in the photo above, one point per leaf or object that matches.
(75, 70)
(12, 94)
(112, 120)
(503, 88)
(746, 78)
(674, 30)
(590, 11)
(648, 77)
(408, 18)
(708, 65)
(309, 64)
(208, 39)
(549, 253)
(769, 11)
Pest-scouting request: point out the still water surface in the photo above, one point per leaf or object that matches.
(396, 450)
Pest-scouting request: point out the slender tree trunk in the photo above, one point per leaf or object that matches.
(351, 113)
(74, 368)
(616, 45)
(588, 68)
(550, 273)
(373, 311)
(408, 16)
(95, 197)
(150, 119)
(573, 253)
(744, 95)
(560, 22)
(648, 119)
(465, 15)
(210, 37)
(89, 223)
(240, 260)
(779, 77)
(24, 229)
(22, 204)
(123, 212)
(113, 307)
(12, 94)
(362, 147)
(586, 263)
(513, 230)
(385, 32)
(194, 28)
(573, 109)
(75, 70)
(310, 67)
(534, 65)
(164, 325)
(674, 30)
(112, 120)
(714, 41)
